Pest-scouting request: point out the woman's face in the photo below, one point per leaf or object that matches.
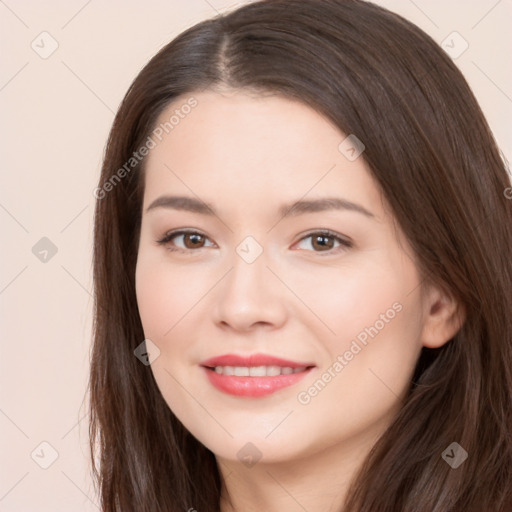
(261, 279)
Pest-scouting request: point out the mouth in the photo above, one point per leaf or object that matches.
(253, 376)
(256, 371)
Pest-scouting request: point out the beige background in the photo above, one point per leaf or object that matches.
(56, 114)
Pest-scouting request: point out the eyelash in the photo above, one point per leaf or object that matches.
(344, 243)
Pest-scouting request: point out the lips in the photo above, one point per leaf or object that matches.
(252, 360)
(255, 375)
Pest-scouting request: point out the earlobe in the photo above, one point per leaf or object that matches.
(443, 318)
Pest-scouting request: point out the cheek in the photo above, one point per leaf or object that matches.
(165, 294)
(151, 299)
(349, 298)
(376, 347)
(373, 313)
(368, 365)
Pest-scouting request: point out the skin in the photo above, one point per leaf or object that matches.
(298, 300)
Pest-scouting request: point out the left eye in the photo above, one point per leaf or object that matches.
(324, 240)
(195, 239)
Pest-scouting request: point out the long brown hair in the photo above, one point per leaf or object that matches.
(427, 144)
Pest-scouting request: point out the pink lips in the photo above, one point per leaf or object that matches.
(252, 360)
(252, 386)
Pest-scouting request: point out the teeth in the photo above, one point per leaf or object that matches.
(241, 371)
(273, 371)
(257, 371)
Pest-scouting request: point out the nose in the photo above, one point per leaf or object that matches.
(250, 295)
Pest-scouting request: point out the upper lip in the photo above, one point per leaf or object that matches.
(252, 360)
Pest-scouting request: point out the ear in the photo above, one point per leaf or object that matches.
(443, 317)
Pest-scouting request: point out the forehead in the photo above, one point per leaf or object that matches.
(234, 146)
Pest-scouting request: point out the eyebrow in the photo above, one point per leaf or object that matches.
(300, 207)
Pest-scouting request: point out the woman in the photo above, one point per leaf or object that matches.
(302, 274)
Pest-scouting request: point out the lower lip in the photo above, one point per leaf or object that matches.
(253, 386)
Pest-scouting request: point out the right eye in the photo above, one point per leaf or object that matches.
(192, 240)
